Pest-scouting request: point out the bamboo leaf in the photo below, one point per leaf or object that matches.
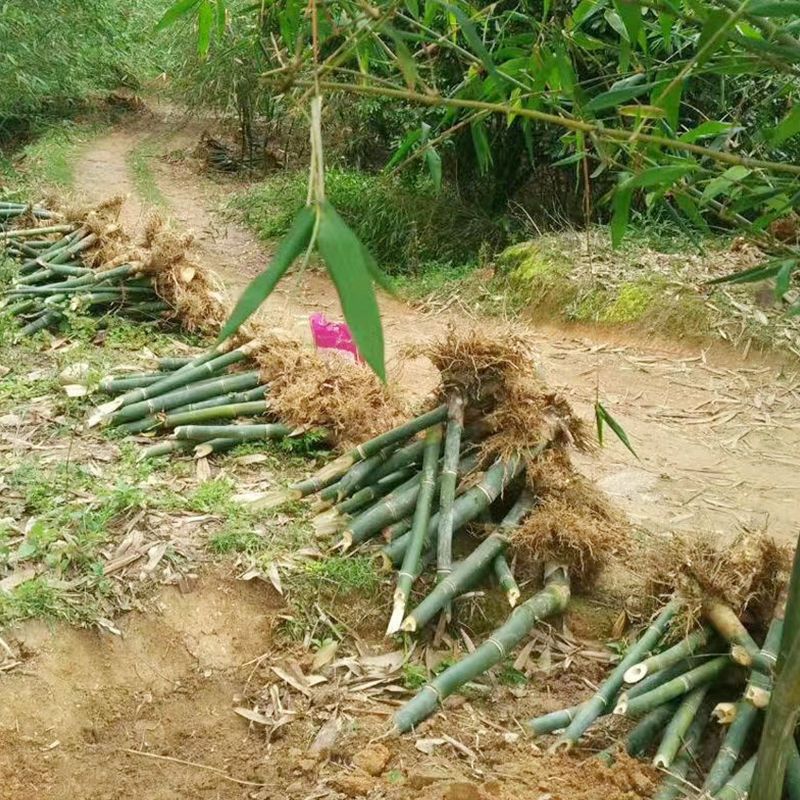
(705, 130)
(631, 16)
(662, 177)
(175, 12)
(602, 416)
(471, 35)
(789, 126)
(433, 161)
(619, 219)
(344, 257)
(205, 21)
(292, 245)
(783, 278)
(774, 8)
(409, 140)
(759, 273)
(621, 92)
(222, 14)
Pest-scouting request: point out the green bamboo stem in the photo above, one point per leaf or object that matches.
(361, 473)
(554, 721)
(422, 515)
(199, 416)
(241, 433)
(608, 690)
(406, 456)
(190, 393)
(505, 577)
(699, 676)
(759, 686)
(662, 676)
(675, 783)
(744, 650)
(466, 508)
(22, 233)
(447, 489)
(643, 734)
(552, 599)
(122, 383)
(738, 787)
(171, 363)
(256, 393)
(686, 647)
(731, 747)
(477, 562)
(45, 321)
(396, 529)
(203, 366)
(679, 726)
(165, 448)
(345, 462)
(724, 713)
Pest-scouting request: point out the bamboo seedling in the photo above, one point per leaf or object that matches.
(551, 600)
(422, 514)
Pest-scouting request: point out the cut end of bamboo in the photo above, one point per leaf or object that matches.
(621, 708)
(757, 696)
(396, 619)
(335, 469)
(661, 762)
(386, 563)
(203, 450)
(409, 624)
(327, 523)
(635, 673)
(513, 597)
(561, 747)
(740, 655)
(102, 411)
(724, 713)
(346, 541)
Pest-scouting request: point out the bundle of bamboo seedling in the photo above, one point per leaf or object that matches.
(695, 676)
(199, 400)
(86, 265)
(410, 491)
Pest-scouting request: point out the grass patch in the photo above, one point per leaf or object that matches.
(140, 165)
(404, 222)
(49, 160)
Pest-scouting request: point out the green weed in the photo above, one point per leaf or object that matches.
(414, 676)
(144, 179)
(346, 573)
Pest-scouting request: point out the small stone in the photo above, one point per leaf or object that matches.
(356, 784)
(372, 759)
(462, 790)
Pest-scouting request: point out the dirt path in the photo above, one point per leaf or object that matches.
(718, 438)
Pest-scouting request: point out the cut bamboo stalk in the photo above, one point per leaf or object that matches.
(552, 599)
(662, 676)
(422, 514)
(677, 687)
(724, 713)
(334, 471)
(239, 433)
(361, 473)
(686, 647)
(643, 734)
(675, 783)
(447, 489)
(727, 624)
(191, 393)
(608, 690)
(121, 383)
(731, 748)
(759, 687)
(171, 363)
(554, 721)
(256, 393)
(738, 786)
(22, 233)
(505, 577)
(477, 562)
(215, 446)
(678, 727)
(165, 448)
(45, 321)
(199, 416)
(466, 508)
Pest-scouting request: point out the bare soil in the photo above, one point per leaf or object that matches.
(718, 438)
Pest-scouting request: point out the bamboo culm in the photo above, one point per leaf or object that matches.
(552, 599)
(744, 650)
(675, 784)
(554, 721)
(422, 514)
(239, 433)
(677, 687)
(478, 561)
(604, 695)
(678, 726)
(686, 647)
(254, 408)
(505, 577)
(447, 489)
(738, 786)
(466, 508)
(731, 747)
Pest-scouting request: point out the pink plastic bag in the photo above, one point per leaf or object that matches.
(333, 336)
